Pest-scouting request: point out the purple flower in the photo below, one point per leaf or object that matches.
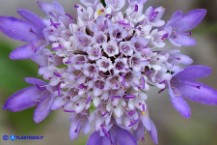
(181, 25)
(184, 85)
(100, 62)
(36, 95)
(29, 30)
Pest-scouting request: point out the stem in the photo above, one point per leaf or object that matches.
(103, 3)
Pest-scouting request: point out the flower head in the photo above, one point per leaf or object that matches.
(99, 65)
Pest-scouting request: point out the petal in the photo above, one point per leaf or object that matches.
(146, 121)
(23, 99)
(197, 92)
(139, 1)
(153, 133)
(32, 18)
(96, 139)
(54, 8)
(18, 29)
(181, 106)
(193, 72)
(115, 5)
(182, 40)
(177, 58)
(42, 110)
(139, 133)
(41, 60)
(58, 7)
(124, 137)
(178, 102)
(74, 129)
(35, 81)
(190, 20)
(89, 2)
(176, 16)
(23, 52)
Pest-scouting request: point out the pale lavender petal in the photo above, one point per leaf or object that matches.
(58, 7)
(197, 92)
(193, 72)
(154, 134)
(32, 18)
(18, 29)
(190, 20)
(115, 5)
(23, 99)
(139, 1)
(41, 60)
(49, 8)
(89, 2)
(42, 110)
(183, 40)
(146, 121)
(74, 129)
(23, 52)
(179, 58)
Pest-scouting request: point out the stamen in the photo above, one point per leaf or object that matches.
(56, 25)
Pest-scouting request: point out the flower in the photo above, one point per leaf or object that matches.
(180, 25)
(37, 95)
(184, 85)
(99, 64)
(29, 30)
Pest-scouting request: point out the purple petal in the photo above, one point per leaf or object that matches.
(146, 121)
(153, 133)
(179, 58)
(178, 102)
(32, 18)
(190, 20)
(96, 139)
(74, 129)
(183, 40)
(35, 81)
(193, 72)
(181, 106)
(124, 137)
(23, 52)
(51, 9)
(18, 29)
(41, 60)
(176, 16)
(23, 99)
(59, 7)
(140, 132)
(42, 110)
(197, 92)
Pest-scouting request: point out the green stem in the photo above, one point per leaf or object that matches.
(103, 3)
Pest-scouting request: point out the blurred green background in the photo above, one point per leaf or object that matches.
(201, 129)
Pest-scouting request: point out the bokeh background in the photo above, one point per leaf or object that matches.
(201, 129)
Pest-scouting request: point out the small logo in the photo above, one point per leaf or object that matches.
(5, 137)
(12, 137)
